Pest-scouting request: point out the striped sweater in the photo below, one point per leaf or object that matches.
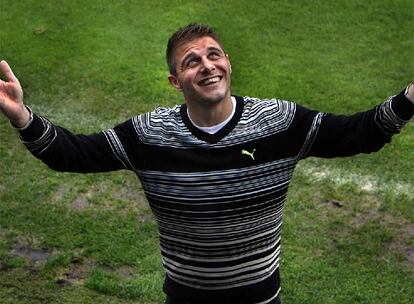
(218, 198)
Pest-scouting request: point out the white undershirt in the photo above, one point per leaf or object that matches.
(214, 129)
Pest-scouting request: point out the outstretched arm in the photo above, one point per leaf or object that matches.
(364, 132)
(11, 98)
(329, 135)
(59, 148)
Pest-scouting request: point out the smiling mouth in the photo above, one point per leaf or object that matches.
(210, 81)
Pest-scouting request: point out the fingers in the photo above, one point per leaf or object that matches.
(7, 71)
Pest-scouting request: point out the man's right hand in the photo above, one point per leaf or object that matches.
(11, 98)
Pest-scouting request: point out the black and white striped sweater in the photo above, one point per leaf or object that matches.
(218, 199)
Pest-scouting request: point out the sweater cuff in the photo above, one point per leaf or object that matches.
(33, 130)
(402, 106)
(28, 123)
(410, 98)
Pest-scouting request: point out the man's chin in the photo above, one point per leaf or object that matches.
(214, 97)
(207, 97)
(213, 100)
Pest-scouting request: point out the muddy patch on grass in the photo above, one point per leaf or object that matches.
(402, 244)
(146, 217)
(131, 197)
(125, 272)
(129, 192)
(77, 272)
(36, 258)
(31, 254)
(361, 218)
(60, 193)
(124, 198)
(83, 200)
(402, 241)
(121, 193)
(109, 196)
(335, 204)
(79, 203)
(122, 272)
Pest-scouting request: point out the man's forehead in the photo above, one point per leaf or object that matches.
(197, 45)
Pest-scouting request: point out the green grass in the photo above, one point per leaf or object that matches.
(88, 65)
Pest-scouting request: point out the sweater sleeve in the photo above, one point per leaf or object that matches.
(61, 150)
(364, 132)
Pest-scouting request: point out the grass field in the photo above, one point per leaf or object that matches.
(348, 233)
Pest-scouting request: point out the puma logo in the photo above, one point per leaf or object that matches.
(251, 154)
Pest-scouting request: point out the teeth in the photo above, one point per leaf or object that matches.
(210, 80)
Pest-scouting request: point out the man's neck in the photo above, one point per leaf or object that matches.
(207, 115)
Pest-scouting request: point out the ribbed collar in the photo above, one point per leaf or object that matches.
(216, 137)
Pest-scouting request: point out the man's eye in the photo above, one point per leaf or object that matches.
(192, 63)
(214, 55)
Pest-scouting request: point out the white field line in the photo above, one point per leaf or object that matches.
(367, 183)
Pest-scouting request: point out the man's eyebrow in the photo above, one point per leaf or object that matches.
(214, 48)
(194, 54)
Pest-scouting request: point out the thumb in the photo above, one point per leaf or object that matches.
(7, 71)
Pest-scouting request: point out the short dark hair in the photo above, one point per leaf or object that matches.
(186, 34)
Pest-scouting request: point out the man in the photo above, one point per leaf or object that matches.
(215, 170)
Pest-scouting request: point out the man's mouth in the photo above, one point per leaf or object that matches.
(210, 81)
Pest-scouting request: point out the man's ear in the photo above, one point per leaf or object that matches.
(174, 82)
(228, 58)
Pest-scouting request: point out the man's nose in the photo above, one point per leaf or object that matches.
(207, 65)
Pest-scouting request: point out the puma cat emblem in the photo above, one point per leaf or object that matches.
(251, 154)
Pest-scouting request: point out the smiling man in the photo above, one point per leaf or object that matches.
(201, 71)
(215, 169)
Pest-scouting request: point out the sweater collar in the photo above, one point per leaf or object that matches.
(216, 137)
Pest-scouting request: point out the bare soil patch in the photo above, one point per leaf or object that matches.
(122, 272)
(361, 218)
(125, 272)
(79, 203)
(78, 270)
(403, 236)
(31, 254)
(403, 244)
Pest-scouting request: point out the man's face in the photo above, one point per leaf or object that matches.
(203, 71)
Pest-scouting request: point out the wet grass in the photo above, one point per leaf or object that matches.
(67, 238)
